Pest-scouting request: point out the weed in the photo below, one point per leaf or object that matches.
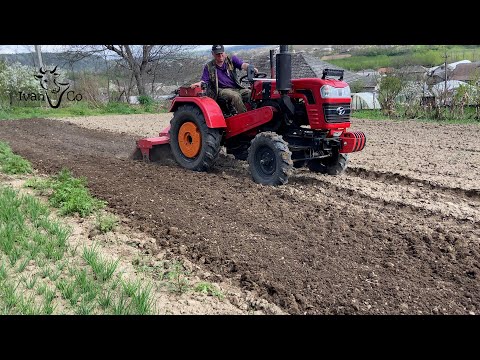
(105, 299)
(208, 289)
(177, 281)
(23, 264)
(142, 301)
(3, 272)
(71, 195)
(85, 308)
(106, 223)
(121, 307)
(30, 282)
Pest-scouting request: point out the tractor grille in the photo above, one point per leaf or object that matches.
(337, 113)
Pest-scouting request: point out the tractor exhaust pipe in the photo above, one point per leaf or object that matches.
(284, 79)
(272, 72)
(284, 70)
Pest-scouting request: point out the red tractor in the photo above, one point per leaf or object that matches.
(288, 123)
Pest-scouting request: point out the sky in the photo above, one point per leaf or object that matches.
(16, 49)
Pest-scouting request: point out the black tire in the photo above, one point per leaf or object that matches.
(210, 139)
(269, 159)
(334, 168)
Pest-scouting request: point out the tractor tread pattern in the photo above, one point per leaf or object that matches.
(213, 137)
(285, 168)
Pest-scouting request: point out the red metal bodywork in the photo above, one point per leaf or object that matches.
(147, 143)
(209, 107)
(314, 109)
(235, 125)
(241, 123)
(352, 141)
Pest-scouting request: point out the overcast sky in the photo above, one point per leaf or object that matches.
(16, 49)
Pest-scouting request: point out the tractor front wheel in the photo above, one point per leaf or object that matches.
(194, 145)
(336, 167)
(269, 159)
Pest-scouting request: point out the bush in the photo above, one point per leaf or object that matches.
(146, 100)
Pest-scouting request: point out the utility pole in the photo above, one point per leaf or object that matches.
(445, 100)
(39, 54)
(38, 50)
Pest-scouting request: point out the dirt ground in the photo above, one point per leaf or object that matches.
(396, 234)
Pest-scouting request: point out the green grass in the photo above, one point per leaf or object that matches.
(425, 55)
(106, 223)
(102, 268)
(41, 271)
(422, 117)
(26, 224)
(71, 195)
(208, 289)
(177, 281)
(8, 112)
(11, 163)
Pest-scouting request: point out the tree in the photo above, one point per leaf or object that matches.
(390, 87)
(142, 61)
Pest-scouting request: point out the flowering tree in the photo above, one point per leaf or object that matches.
(16, 78)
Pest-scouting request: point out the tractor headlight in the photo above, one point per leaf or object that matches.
(330, 92)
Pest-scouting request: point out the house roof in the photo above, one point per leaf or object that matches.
(440, 69)
(410, 69)
(465, 72)
(386, 70)
(305, 66)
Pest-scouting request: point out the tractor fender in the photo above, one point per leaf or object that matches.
(209, 107)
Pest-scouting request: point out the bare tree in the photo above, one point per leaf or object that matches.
(140, 60)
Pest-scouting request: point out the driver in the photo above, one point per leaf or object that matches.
(221, 76)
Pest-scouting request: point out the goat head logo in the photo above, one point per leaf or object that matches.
(340, 110)
(49, 82)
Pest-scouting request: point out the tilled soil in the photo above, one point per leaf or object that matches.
(396, 234)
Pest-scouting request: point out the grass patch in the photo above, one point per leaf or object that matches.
(177, 278)
(79, 109)
(102, 268)
(105, 223)
(421, 117)
(57, 281)
(41, 271)
(71, 195)
(11, 163)
(402, 55)
(208, 289)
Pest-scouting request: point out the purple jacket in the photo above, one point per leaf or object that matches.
(224, 77)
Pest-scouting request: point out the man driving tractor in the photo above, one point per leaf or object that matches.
(220, 74)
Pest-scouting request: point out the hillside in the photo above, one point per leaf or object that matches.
(91, 63)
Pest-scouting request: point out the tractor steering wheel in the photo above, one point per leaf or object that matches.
(247, 79)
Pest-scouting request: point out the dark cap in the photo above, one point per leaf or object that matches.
(217, 49)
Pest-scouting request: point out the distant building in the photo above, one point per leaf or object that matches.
(468, 73)
(386, 70)
(307, 66)
(365, 100)
(412, 73)
(436, 74)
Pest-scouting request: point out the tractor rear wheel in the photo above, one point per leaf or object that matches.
(336, 167)
(194, 145)
(269, 159)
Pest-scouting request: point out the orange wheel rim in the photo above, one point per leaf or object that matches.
(189, 139)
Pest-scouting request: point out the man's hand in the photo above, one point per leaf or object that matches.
(197, 84)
